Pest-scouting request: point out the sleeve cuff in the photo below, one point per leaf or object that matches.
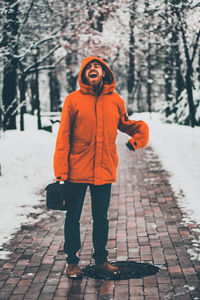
(133, 143)
(62, 178)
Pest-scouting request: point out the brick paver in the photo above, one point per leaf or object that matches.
(146, 225)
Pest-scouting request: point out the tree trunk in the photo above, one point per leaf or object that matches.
(188, 80)
(54, 91)
(22, 88)
(131, 67)
(189, 70)
(198, 68)
(32, 89)
(37, 94)
(95, 20)
(189, 85)
(9, 93)
(176, 53)
(71, 61)
(139, 96)
(9, 38)
(168, 70)
(149, 81)
(149, 66)
(100, 19)
(179, 77)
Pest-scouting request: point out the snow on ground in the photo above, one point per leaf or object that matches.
(178, 147)
(26, 167)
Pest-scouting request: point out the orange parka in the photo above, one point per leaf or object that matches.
(85, 148)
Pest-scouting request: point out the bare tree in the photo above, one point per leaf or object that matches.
(9, 45)
(178, 7)
(24, 32)
(131, 67)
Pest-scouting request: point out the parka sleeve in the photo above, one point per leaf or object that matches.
(138, 130)
(62, 148)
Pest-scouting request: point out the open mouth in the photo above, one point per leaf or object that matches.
(93, 75)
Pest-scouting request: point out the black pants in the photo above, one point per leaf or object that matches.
(100, 199)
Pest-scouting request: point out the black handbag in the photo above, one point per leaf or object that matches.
(56, 196)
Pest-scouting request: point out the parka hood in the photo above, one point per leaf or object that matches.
(109, 79)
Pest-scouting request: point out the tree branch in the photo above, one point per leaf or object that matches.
(195, 46)
(22, 56)
(28, 12)
(186, 50)
(185, 46)
(33, 66)
(49, 8)
(48, 54)
(15, 3)
(48, 67)
(195, 6)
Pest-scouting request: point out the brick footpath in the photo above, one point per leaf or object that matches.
(146, 225)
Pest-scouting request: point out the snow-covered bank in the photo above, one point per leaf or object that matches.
(178, 147)
(26, 167)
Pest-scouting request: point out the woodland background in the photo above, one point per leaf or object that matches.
(152, 47)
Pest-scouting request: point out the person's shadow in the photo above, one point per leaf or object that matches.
(128, 269)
